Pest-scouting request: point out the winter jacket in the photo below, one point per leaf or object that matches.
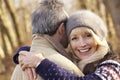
(51, 50)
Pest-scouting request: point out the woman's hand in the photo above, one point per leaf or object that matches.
(30, 59)
(28, 62)
(30, 73)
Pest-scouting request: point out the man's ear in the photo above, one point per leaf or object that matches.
(61, 28)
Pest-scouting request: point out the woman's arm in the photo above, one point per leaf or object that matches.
(50, 71)
(107, 70)
(15, 57)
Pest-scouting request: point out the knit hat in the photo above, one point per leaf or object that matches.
(86, 18)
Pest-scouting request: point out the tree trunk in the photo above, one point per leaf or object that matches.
(114, 7)
(13, 17)
(2, 67)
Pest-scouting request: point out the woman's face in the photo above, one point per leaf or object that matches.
(82, 42)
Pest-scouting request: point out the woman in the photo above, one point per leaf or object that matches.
(87, 36)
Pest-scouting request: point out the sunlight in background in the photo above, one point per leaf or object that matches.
(2, 53)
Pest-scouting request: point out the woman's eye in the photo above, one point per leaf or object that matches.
(74, 38)
(88, 35)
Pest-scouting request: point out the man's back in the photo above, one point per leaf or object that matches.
(51, 50)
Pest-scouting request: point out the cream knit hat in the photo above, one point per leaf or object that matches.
(86, 18)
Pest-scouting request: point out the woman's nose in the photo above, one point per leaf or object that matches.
(82, 42)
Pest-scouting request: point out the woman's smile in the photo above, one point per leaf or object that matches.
(82, 42)
(83, 50)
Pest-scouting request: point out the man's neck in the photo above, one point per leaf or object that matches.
(56, 38)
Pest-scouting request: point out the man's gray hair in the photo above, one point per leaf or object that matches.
(48, 16)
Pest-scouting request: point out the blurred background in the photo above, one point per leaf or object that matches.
(15, 25)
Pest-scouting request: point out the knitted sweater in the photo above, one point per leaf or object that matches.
(107, 70)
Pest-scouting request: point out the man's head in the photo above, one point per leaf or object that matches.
(48, 16)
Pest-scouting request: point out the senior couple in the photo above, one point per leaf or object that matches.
(87, 57)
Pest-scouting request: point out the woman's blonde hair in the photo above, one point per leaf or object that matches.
(87, 18)
(101, 51)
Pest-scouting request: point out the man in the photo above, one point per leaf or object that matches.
(49, 38)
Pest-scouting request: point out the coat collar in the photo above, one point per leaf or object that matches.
(46, 39)
(57, 46)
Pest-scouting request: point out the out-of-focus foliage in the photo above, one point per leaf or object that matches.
(14, 25)
(15, 22)
(114, 8)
